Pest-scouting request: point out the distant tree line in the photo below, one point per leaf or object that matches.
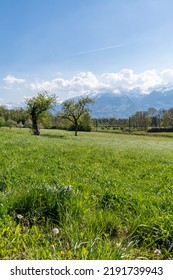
(77, 116)
(141, 121)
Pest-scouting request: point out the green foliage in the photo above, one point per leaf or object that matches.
(40, 103)
(46, 119)
(140, 120)
(85, 123)
(28, 123)
(2, 121)
(63, 123)
(100, 196)
(10, 123)
(74, 111)
(20, 125)
(37, 106)
(168, 118)
(41, 203)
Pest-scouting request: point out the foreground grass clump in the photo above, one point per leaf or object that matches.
(96, 196)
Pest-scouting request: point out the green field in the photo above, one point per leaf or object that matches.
(95, 196)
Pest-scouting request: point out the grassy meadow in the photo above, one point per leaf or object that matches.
(94, 196)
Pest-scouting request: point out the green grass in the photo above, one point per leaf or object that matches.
(109, 195)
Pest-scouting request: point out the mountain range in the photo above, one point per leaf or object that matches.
(123, 104)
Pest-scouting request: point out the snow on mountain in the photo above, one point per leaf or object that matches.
(128, 102)
(122, 103)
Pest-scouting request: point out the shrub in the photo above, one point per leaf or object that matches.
(81, 127)
(160, 129)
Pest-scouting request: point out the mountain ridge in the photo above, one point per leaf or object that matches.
(122, 103)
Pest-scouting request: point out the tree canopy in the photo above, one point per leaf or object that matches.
(73, 110)
(37, 105)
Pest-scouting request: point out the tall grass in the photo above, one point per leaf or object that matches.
(95, 196)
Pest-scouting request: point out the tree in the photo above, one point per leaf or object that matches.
(37, 105)
(168, 117)
(152, 113)
(20, 125)
(28, 123)
(10, 123)
(140, 120)
(2, 121)
(46, 120)
(85, 123)
(74, 110)
(2, 111)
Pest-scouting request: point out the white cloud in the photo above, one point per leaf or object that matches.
(84, 81)
(79, 84)
(44, 85)
(167, 76)
(9, 79)
(126, 79)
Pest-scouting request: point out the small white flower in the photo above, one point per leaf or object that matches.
(118, 244)
(55, 231)
(20, 217)
(157, 251)
(66, 188)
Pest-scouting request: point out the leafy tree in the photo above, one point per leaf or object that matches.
(152, 112)
(74, 110)
(37, 105)
(2, 121)
(10, 123)
(46, 120)
(28, 123)
(20, 125)
(140, 120)
(85, 123)
(168, 117)
(62, 123)
(154, 116)
(2, 111)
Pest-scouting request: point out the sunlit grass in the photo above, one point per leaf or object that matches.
(109, 196)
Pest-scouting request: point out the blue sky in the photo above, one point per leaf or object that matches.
(70, 47)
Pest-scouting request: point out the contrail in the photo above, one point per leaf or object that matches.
(96, 50)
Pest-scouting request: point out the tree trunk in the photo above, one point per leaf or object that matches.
(35, 125)
(76, 129)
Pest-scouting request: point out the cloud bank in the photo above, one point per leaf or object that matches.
(124, 80)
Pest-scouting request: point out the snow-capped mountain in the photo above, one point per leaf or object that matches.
(159, 99)
(112, 105)
(127, 103)
(123, 103)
